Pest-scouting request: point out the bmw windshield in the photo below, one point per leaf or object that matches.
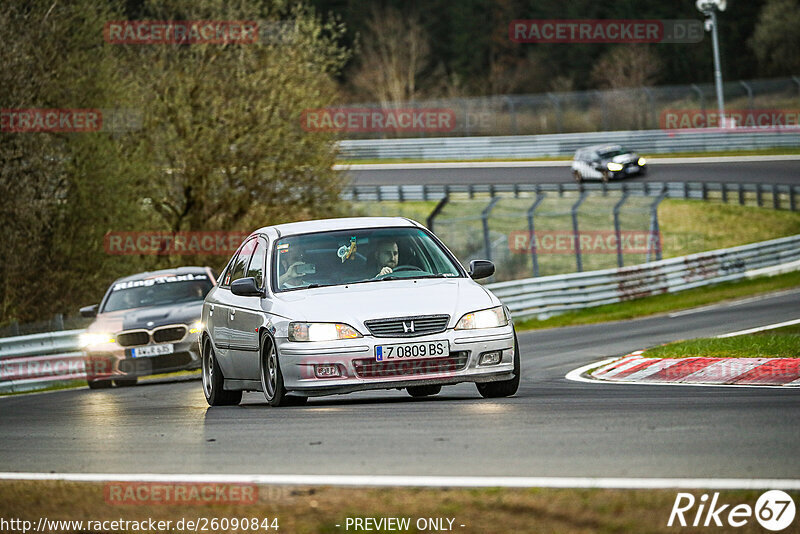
(356, 256)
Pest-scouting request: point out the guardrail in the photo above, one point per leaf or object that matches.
(41, 360)
(550, 295)
(776, 196)
(537, 146)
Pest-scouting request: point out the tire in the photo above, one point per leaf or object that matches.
(505, 388)
(99, 384)
(125, 382)
(577, 176)
(271, 375)
(605, 177)
(213, 380)
(423, 391)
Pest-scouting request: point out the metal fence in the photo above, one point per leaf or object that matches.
(776, 196)
(637, 108)
(40, 360)
(546, 296)
(537, 146)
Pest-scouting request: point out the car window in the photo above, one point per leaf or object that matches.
(358, 256)
(239, 265)
(256, 268)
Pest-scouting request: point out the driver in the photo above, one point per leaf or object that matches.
(386, 256)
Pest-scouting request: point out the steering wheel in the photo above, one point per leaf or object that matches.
(406, 268)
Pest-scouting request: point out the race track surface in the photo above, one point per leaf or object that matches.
(552, 427)
(767, 172)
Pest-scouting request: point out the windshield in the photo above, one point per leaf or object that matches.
(611, 153)
(157, 291)
(355, 256)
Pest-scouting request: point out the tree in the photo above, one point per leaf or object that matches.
(395, 52)
(776, 41)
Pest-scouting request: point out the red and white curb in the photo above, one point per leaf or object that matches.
(633, 368)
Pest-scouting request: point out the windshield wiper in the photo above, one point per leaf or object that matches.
(393, 277)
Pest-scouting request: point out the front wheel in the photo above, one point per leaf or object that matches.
(505, 388)
(577, 176)
(271, 376)
(213, 380)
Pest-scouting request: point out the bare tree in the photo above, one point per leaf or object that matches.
(395, 52)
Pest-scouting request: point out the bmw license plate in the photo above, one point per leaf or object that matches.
(153, 350)
(424, 349)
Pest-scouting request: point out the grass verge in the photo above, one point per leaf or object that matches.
(666, 303)
(321, 509)
(779, 343)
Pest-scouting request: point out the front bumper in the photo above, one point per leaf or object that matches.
(108, 361)
(355, 359)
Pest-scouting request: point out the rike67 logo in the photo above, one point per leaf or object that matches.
(774, 510)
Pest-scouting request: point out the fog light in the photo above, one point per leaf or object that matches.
(491, 358)
(327, 370)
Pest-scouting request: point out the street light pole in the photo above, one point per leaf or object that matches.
(717, 68)
(710, 8)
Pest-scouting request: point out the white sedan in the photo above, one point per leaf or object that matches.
(341, 305)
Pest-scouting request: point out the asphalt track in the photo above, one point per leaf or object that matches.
(553, 427)
(730, 170)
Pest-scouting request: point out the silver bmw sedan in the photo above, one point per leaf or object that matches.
(340, 305)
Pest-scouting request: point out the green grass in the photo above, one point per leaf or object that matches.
(781, 343)
(666, 303)
(716, 153)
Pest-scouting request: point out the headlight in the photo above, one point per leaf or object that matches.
(321, 331)
(87, 339)
(196, 327)
(614, 166)
(483, 319)
(642, 162)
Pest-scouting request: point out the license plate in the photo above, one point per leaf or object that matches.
(152, 350)
(632, 169)
(401, 351)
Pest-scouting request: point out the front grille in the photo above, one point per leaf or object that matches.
(155, 364)
(169, 333)
(132, 339)
(369, 368)
(402, 326)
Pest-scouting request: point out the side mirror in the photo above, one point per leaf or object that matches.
(89, 311)
(480, 269)
(246, 287)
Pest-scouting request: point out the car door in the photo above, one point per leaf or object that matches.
(246, 316)
(220, 312)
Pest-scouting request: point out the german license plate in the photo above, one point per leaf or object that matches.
(153, 350)
(401, 351)
(632, 169)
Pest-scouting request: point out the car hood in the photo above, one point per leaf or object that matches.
(625, 158)
(136, 318)
(357, 303)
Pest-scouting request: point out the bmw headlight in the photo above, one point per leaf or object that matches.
(490, 318)
(89, 339)
(321, 331)
(196, 327)
(614, 166)
(642, 162)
